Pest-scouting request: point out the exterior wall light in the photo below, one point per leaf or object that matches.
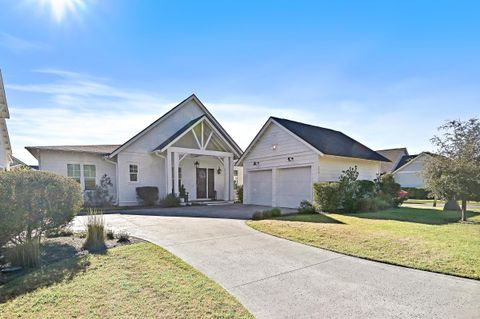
(256, 163)
(274, 147)
(290, 159)
(197, 164)
(219, 170)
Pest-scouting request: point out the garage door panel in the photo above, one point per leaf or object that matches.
(260, 187)
(293, 185)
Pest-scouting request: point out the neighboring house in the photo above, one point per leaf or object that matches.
(409, 170)
(17, 164)
(395, 155)
(287, 157)
(5, 146)
(185, 146)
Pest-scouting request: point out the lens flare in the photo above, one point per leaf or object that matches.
(61, 8)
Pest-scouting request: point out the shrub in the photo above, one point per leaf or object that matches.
(26, 254)
(417, 193)
(257, 215)
(95, 232)
(170, 201)
(389, 189)
(264, 214)
(327, 196)
(33, 202)
(110, 234)
(59, 232)
(276, 212)
(123, 237)
(306, 208)
(100, 196)
(239, 191)
(372, 204)
(365, 189)
(148, 195)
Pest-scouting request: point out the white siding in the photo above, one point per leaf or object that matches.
(411, 175)
(331, 168)
(165, 129)
(151, 172)
(4, 163)
(56, 162)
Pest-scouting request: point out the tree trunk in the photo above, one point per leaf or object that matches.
(464, 210)
(435, 201)
(451, 204)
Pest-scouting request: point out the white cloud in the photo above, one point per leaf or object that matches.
(17, 44)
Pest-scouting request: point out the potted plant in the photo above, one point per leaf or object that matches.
(183, 194)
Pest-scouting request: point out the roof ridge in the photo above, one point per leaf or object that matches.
(316, 126)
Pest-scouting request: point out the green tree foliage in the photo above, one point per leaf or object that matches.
(32, 202)
(454, 170)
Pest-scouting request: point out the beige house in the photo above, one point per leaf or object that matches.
(5, 146)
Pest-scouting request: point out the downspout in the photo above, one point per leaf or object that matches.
(117, 197)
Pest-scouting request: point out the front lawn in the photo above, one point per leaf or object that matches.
(134, 281)
(420, 238)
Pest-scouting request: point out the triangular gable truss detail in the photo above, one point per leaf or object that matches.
(204, 135)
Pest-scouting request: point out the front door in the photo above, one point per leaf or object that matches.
(205, 183)
(201, 183)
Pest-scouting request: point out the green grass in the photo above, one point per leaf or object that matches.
(421, 238)
(133, 281)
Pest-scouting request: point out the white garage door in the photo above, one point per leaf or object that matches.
(293, 186)
(260, 187)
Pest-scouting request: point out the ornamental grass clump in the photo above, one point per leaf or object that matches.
(95, 232)
(25, 255)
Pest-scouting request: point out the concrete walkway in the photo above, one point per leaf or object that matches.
(277, 278)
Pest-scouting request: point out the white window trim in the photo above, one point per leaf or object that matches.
(138, 173)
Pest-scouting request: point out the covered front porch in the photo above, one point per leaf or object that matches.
(200, 160)
(205, 175)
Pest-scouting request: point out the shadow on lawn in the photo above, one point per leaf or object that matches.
(310, 218)
(416, 215)
(44, 277)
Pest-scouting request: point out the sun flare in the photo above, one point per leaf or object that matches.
(61, 8)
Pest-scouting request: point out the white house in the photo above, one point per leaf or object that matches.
(5, 146)
(287, 157)
(409, 171)
(185, 146)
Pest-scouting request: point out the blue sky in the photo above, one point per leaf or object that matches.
(384, 72)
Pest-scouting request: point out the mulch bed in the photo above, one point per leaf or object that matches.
(58, 248)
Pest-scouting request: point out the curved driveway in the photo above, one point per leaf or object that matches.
(277, 278)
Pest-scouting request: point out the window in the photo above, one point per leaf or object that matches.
(73, 171)
(133, 171)
(89, 174)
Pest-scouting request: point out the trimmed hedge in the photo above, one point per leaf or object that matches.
(148, 195)
(417, 193)
(264, 214)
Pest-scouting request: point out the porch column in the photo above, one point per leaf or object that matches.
(175, 173)
(232, 189)
(168, 163)
(226, 183)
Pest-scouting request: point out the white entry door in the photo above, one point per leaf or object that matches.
(293, 185)
(260, 187)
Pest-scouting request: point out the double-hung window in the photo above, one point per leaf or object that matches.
(73, 171)
(89, 176)
(133, 171)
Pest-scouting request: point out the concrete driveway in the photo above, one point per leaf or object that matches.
(277, 278)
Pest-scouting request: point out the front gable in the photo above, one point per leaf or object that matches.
(169, 125)
(275, 140)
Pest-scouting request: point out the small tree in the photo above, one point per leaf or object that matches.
(454, 171)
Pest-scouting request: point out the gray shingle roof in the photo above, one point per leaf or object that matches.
(330, 142)
(97, 149)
